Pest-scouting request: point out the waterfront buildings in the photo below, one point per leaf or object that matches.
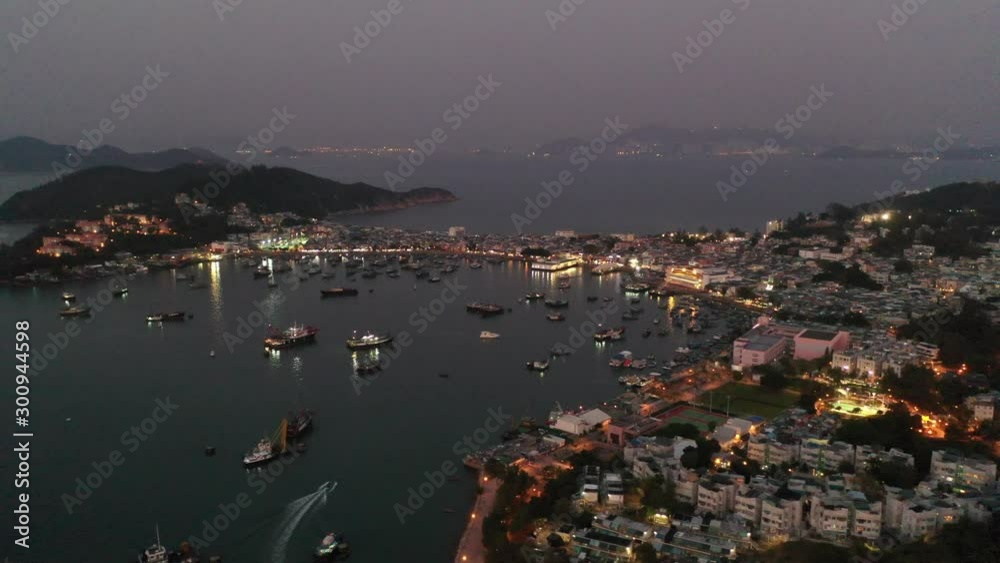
(556, 263)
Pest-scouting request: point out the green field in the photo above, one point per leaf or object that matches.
(750, 399)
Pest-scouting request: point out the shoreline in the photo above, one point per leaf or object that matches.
(470, 547)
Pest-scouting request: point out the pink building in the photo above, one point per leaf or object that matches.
(811, 343)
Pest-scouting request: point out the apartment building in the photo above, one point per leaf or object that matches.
(824, 456)
(955, 469)
(781, 514)
(769, 451)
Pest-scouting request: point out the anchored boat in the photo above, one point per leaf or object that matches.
(292, 336)
(369, 339)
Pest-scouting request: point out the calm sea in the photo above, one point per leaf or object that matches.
(376, 443)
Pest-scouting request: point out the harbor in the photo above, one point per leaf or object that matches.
(230, 394)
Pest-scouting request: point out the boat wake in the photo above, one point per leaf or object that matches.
(293, 514)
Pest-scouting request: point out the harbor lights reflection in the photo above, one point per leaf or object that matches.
(366, 361)
(215, 287)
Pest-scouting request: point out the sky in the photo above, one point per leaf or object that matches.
(226, 65)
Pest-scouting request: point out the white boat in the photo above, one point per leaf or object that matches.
(487, 335)
(67, 296)
(682, 350)
(155, 553)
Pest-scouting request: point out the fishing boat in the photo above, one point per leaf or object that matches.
(621, 359)
(298, 424)
(268, 449)
(332, 548)
(487, 335)
(484, 309)
(557, 303)
(67, 296)
(78, 311)
(609, 334)
(155, 553)
(534, 296)
(165, 317)
(292, 336)
(338, 292)
(369, 339)
(538, 365)
(556, 317)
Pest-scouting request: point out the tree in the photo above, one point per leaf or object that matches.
(774, 380)
(645, 553)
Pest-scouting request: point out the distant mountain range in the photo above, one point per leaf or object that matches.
(89, 193)
(27, 154)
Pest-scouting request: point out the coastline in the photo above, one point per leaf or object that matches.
(470, 547)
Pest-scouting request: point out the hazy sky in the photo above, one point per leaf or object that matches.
(610, 57)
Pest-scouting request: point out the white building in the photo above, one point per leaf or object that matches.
(951, 468)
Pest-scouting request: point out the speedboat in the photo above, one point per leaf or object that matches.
(487, 335)
(538, 365)
(332, 548)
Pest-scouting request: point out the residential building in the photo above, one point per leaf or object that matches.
(955, 469)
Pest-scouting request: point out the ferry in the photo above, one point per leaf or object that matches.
(292, 336)
(369, 339)
(338, 292)
(165, 317)
(80, 311)
(484, 309)
(533, 296)
(538, 365)
(487, 335)
(556, 317)
(556, 303)
(612, 334)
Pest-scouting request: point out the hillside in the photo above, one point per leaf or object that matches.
(27, 154)
(88, 193)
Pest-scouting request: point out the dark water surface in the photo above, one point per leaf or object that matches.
(376, 444)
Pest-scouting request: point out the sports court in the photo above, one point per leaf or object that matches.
(684, 414)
